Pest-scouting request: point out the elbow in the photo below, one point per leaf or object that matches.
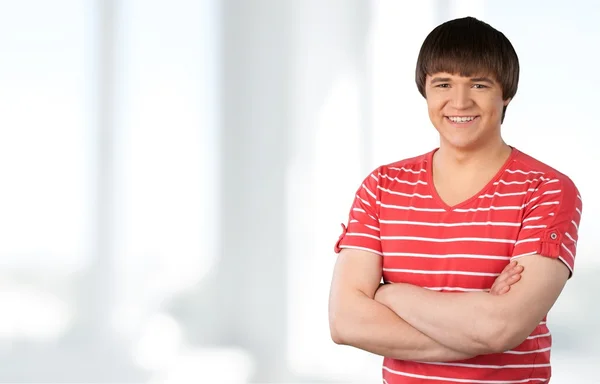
(487, 336)
(345, 325)
(503, 336)
(497, 342)
(502, 344)
(510, 340)
(336, 335)
(335, 329)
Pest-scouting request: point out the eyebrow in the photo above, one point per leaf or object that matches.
(473, 79)
(482, 80)
(440, 80)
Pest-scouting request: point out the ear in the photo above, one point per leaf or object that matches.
(507, 101)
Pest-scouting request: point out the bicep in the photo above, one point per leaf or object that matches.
(530, 300)
(356, 270)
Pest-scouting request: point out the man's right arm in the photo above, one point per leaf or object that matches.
(357, 320)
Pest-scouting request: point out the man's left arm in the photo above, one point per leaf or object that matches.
(481, 323)
(478, 322)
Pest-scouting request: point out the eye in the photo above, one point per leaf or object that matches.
(479, 86)
(443, 85)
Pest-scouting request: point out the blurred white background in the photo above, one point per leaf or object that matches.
(174, 174)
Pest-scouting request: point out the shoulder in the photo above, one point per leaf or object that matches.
(532, 168)
(540, 175)
(408, 167)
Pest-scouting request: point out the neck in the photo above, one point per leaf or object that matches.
(481, 157)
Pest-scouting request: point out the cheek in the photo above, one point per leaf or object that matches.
(498, 108)
(433, 112)
(492, 106)
(434, 106)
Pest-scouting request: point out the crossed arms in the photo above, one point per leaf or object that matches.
(407, 322)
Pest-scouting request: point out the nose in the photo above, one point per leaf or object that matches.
(460, 98)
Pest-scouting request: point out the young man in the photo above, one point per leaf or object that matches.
(445, 229)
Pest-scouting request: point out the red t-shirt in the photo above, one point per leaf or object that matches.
(527, 208)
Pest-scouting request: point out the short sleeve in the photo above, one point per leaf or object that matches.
(362, 229)
(551, 222)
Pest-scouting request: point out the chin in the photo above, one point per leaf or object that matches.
(462, 143)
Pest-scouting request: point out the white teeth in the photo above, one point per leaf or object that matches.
(461, 119)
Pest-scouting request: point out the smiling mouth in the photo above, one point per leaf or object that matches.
(461, 119)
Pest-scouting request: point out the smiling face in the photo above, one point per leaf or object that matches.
(466, 111)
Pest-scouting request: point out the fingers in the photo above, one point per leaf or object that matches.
(509, 272)
(503, 290)
(509, 276)
(509, 266)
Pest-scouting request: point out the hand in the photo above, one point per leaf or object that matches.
(509, 276)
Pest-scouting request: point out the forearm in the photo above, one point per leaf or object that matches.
(366, 324)
(465, 322)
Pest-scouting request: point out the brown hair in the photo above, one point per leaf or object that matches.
(468, 47)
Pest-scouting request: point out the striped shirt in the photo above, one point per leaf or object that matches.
(527, 208)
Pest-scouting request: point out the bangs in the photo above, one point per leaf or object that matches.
(459, 62)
